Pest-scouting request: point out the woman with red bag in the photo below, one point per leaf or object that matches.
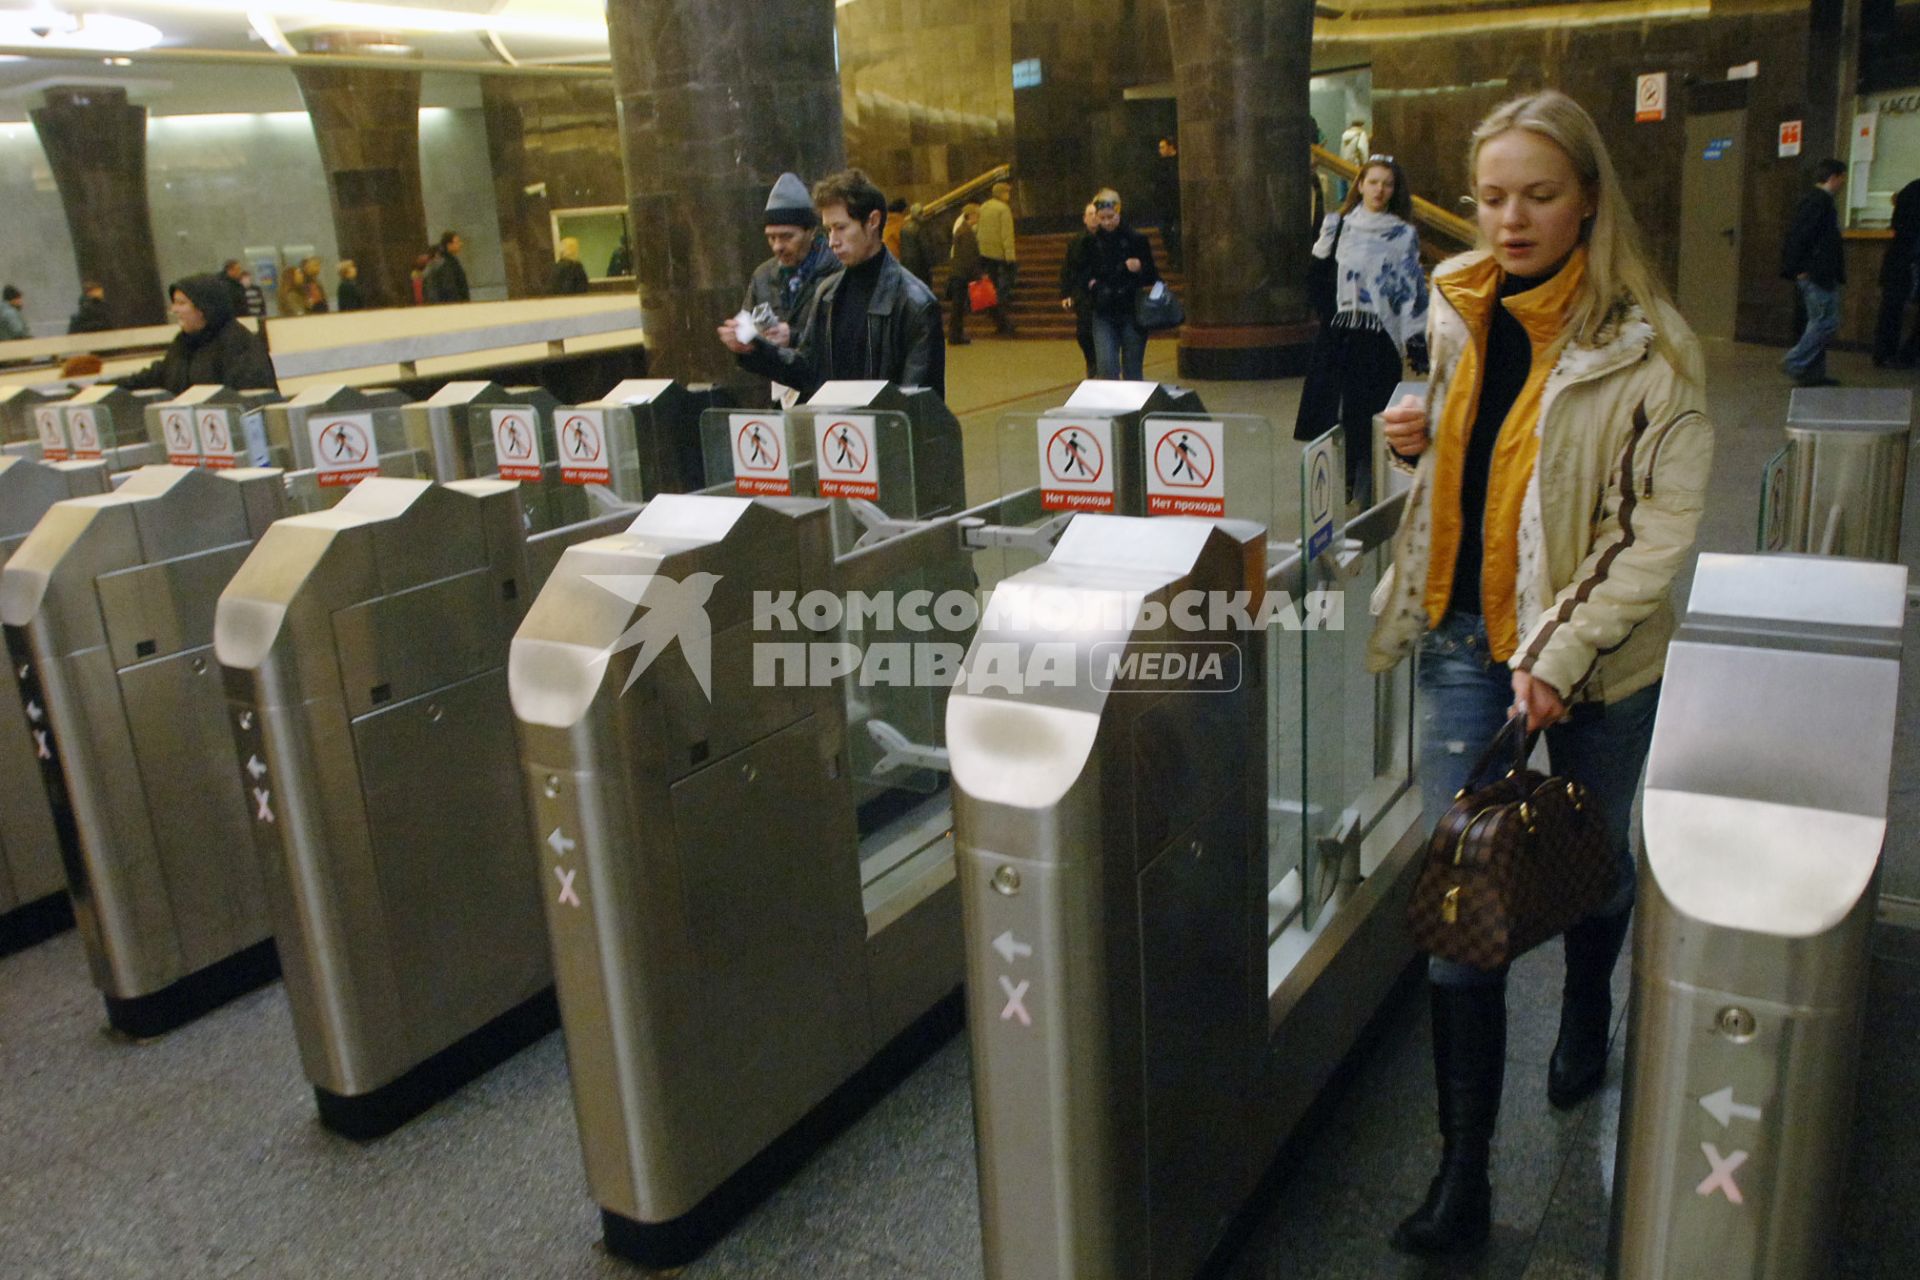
(963, 270)
(1557, 487)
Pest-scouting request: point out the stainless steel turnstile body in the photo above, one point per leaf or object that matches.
(290, 439)
(1111, 834)
(652, 428)
(110, 600)
(1846, 481)
(105, 422)
(454, 426)
(31, 834)
(365, 653)
(1128, 405)
(211, 426)
(727, 949)
(1765, 814)
(17, 403)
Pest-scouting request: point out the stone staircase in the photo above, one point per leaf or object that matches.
(1036, 291)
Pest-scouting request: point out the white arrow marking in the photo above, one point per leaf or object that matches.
(255, 769)
(1721, 1179)
(263, 799)
(33, 711)
(40, 746)
(566, 886)
(1721, 1106)
(1016, 1001)
(1009, 949)
(559, 843)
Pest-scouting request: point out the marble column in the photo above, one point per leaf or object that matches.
(96, 144)
(1240, 71)
(716, 99)
(554, 145)
(367, 122)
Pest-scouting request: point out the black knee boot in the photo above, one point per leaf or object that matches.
(1469, 1066)
(1586, 1009)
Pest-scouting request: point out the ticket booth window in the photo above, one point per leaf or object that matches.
(606, 246)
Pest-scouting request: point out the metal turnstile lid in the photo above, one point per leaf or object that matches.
(1798, 601)
(1768, 777)
(1871, 409)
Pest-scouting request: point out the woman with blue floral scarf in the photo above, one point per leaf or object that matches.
(1378, 316)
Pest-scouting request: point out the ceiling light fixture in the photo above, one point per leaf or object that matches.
(354, 15)
(53, 29)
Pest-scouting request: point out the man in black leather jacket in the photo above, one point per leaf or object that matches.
(873, 320)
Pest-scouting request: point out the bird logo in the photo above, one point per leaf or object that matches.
(674, 610)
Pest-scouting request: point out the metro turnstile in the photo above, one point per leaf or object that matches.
(365, 652)
(454, 426)
(1845, 481)
(1766, 814)
(16, 410)
(211, 426)
(730, 947)
(1127, 405)
(109, 604)
(1111, 829)
(1159, 981)
(652, 436)
(33, 838)
(380, 444)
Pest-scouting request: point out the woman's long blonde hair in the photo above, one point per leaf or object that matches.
(1616, 261)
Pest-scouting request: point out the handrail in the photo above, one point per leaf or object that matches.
(1449, 226)
(971, 187)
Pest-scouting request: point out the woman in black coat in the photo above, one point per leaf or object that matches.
(1119, 266)
(212, 347)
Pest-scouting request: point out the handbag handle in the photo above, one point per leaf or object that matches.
(1522, 748)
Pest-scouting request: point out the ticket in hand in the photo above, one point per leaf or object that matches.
(744, 329)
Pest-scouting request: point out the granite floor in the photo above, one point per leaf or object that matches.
(197, 1155)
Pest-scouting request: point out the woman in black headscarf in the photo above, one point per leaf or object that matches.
(212, 347)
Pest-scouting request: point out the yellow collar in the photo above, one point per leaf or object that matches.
(1541, 310)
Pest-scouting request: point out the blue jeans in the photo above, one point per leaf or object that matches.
(1808, 359)
(1464, 696)
(1119, 347)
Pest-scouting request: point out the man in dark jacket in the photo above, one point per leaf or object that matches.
(1900, 283)
(350, 296)
(1812, 257)
(445, 279)
(212, 347)
(787, 283)
(871, 321)
(92, 317)
(1075, 272)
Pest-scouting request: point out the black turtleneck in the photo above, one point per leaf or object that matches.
(1503, 374)
(850, 316)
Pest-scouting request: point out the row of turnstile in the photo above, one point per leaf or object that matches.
(464, 753)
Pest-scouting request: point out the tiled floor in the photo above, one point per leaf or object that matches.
(198, 1155)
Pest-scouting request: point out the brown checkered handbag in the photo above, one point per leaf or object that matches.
(1511, 863)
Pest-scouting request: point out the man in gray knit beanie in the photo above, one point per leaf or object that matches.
(785, 284)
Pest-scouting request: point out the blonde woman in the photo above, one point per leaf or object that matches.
(1561, 464)
(569, 275)
(293, 293)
